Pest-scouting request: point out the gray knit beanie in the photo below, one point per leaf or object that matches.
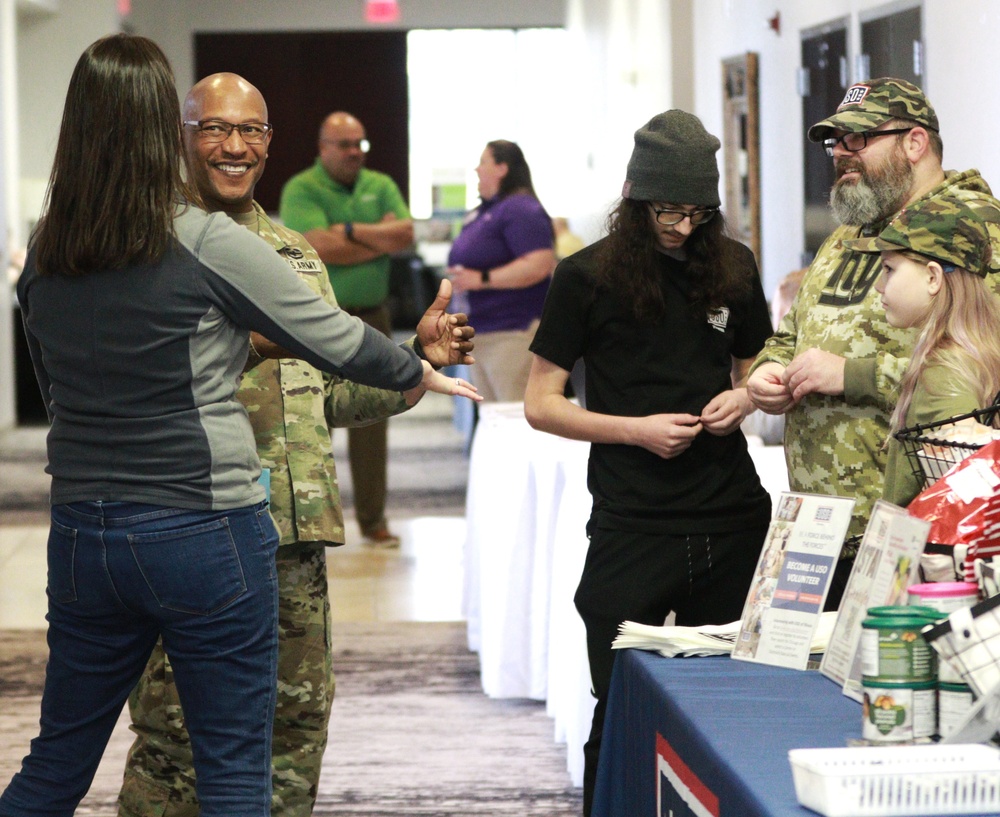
(674, 161)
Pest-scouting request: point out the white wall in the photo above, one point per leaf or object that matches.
(631, 59)
(48, 45)
(515, 93)
(963, 82)
(40, 42)
(960, 41)
(572, 99)
(8, 204)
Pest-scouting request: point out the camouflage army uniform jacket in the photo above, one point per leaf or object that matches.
(292, 407)
(836, 444)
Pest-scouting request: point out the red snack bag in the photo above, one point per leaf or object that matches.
(962, 505)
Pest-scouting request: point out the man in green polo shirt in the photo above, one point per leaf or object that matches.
(354, 217)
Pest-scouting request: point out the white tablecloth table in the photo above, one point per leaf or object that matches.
(526, 513)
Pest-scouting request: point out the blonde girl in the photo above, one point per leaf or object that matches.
(935, 259)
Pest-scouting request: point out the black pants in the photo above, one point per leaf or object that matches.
(642, 577)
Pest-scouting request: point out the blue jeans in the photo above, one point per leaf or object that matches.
(120, 575)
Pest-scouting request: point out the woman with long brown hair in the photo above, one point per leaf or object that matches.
(137, 307)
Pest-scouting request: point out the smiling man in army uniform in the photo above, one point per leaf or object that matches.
(834, 364)
(292, 407)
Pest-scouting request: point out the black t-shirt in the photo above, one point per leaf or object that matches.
(676, 364)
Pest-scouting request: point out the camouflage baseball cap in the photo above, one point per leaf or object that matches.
(955, 231)
(868, 104)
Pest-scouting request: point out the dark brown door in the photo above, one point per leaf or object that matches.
(823, 82)
(891, 46)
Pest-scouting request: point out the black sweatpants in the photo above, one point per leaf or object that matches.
(642, 577)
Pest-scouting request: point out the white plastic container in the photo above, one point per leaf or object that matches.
(946, 597)
(943, 596)
(872, 781)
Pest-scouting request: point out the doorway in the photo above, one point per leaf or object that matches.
(892, 46)
(823, 80)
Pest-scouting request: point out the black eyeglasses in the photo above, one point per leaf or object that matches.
(670, 217)
(215, 130)
(854, 142)
(347, 144)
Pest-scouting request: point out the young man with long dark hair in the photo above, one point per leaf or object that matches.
(667, 314)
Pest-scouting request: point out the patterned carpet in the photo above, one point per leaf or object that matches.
(411, 733)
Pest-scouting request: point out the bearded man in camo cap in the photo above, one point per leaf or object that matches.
(834, 364)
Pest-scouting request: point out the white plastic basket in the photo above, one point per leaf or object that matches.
(870, 781)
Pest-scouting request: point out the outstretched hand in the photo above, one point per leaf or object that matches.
(446, 338)
(442, 384)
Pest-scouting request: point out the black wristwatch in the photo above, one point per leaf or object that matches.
(486, 277)
(349, 230)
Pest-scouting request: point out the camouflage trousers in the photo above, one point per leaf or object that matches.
(159, 773)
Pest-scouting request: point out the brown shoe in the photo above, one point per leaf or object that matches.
(382, 538)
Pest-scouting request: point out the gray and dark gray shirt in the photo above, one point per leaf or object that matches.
(139, 366)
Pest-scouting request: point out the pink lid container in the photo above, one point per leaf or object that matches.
(938, 590)
(944, 596)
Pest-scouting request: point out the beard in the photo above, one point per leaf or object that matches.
(879, 192)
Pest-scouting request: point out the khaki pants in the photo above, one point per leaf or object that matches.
(503, 364)
(368, 448)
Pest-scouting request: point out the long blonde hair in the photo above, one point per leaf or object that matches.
(961, 333)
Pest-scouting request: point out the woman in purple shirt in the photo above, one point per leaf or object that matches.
(503, 259)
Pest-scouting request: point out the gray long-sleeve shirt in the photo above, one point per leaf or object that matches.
(139, 366)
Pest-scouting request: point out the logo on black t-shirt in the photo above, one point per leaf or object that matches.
(718, 319)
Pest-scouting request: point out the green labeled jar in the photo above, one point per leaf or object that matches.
(893, 649)
(898, 713)
(954, 703)
(923, 611)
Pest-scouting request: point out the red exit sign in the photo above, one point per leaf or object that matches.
(382, 11)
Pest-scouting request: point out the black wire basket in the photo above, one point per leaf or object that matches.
(931, 454)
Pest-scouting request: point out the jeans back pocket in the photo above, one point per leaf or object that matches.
(61, 549)
(195, 569)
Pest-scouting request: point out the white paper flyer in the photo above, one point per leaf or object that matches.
(792, 579)
(886, 565)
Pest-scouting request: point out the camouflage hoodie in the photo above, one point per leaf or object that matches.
(835, 444)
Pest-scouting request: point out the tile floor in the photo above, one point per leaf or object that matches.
(422, 581)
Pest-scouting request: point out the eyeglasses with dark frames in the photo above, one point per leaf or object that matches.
(216, 130)
(348, 144)
(854, 142)
(668, 217)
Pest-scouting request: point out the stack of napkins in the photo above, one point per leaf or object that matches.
(710, 639)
